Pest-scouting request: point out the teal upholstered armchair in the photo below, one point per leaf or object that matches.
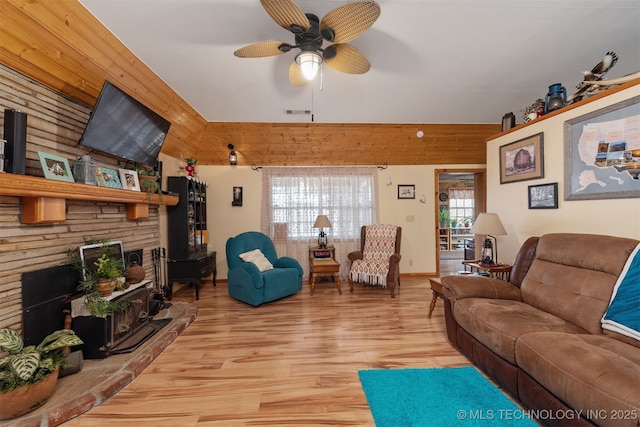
(280, 277)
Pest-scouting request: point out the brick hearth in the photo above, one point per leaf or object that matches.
(100, 379)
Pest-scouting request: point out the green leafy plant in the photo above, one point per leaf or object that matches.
(143, 171)
(100, 307)
(443, 217)
(148, 181)
(191, 161)
(150, 187)
(108, 267)
(22, 365)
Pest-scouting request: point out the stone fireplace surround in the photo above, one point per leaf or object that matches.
(102, 378)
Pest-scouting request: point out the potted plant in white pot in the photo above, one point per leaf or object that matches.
(28, 375)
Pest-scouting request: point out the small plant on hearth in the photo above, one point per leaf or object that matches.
(100, 281)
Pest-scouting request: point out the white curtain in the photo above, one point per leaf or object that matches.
(294, 196)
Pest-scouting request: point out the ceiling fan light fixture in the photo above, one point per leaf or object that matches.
(309, 63)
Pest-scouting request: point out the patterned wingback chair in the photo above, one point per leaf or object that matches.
(378, 260)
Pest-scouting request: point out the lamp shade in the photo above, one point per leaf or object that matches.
(309, 63)
(488, 223)
(322, 221)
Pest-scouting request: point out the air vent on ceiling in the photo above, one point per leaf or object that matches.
(297, 112)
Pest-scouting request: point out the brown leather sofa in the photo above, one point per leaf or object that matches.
(540, 334)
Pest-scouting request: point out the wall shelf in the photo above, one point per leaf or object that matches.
(44, 200)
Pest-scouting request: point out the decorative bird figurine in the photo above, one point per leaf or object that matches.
(601, 69)
(596, 74)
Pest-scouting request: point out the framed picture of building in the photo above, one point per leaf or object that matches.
(522, 160)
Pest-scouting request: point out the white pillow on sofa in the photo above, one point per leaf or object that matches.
(257, 257)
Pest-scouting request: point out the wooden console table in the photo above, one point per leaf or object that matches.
(322, 262)
(436, 289)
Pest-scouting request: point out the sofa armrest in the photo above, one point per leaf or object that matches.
(253, 273)
(288, 262)
(460, 287)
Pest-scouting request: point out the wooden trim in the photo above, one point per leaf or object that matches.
(569, 107)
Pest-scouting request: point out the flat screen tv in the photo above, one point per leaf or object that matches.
(123, 127)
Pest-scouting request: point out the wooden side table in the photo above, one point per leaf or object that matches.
(497, 271)
(436, 288)
(322, 262)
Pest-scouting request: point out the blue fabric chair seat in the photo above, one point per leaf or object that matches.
(247, 283)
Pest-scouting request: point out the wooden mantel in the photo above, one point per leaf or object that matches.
(44, 200)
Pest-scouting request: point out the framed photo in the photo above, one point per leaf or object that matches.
(237, 196)
(543, 196)
(106, 177)
(406, 191)
(602, 153)
(55, 167)
(129, 179)
(522, 160)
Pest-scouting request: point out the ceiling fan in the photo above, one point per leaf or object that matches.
(338, 27)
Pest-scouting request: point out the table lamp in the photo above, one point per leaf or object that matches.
(490, 225)
(321, 222)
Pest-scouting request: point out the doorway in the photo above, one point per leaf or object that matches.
(460, 197)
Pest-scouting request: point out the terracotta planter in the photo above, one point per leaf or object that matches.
(25, 399)
(105, 287)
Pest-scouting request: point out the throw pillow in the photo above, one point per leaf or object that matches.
(257, 257)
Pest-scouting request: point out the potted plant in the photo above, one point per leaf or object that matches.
(107, 267)
(443, 217)
(191, 165)
(149, 181)
(28, 375)
(107, 271)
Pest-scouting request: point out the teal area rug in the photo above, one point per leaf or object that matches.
(438, 397)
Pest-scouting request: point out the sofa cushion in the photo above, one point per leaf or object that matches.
(588, 372)
(573, 275)
(498, 323)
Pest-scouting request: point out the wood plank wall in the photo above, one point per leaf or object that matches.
(317, 144)
(54, 125)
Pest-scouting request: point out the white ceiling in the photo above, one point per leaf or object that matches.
(432, 61)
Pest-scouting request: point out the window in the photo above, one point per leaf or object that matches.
(461, 206)
(294, 197)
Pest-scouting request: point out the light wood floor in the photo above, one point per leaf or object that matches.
(290, 362)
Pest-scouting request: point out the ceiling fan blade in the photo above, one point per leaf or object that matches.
(349, 21)
(259, 50)
(296, 77)
(346, 59)
(287, 14)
